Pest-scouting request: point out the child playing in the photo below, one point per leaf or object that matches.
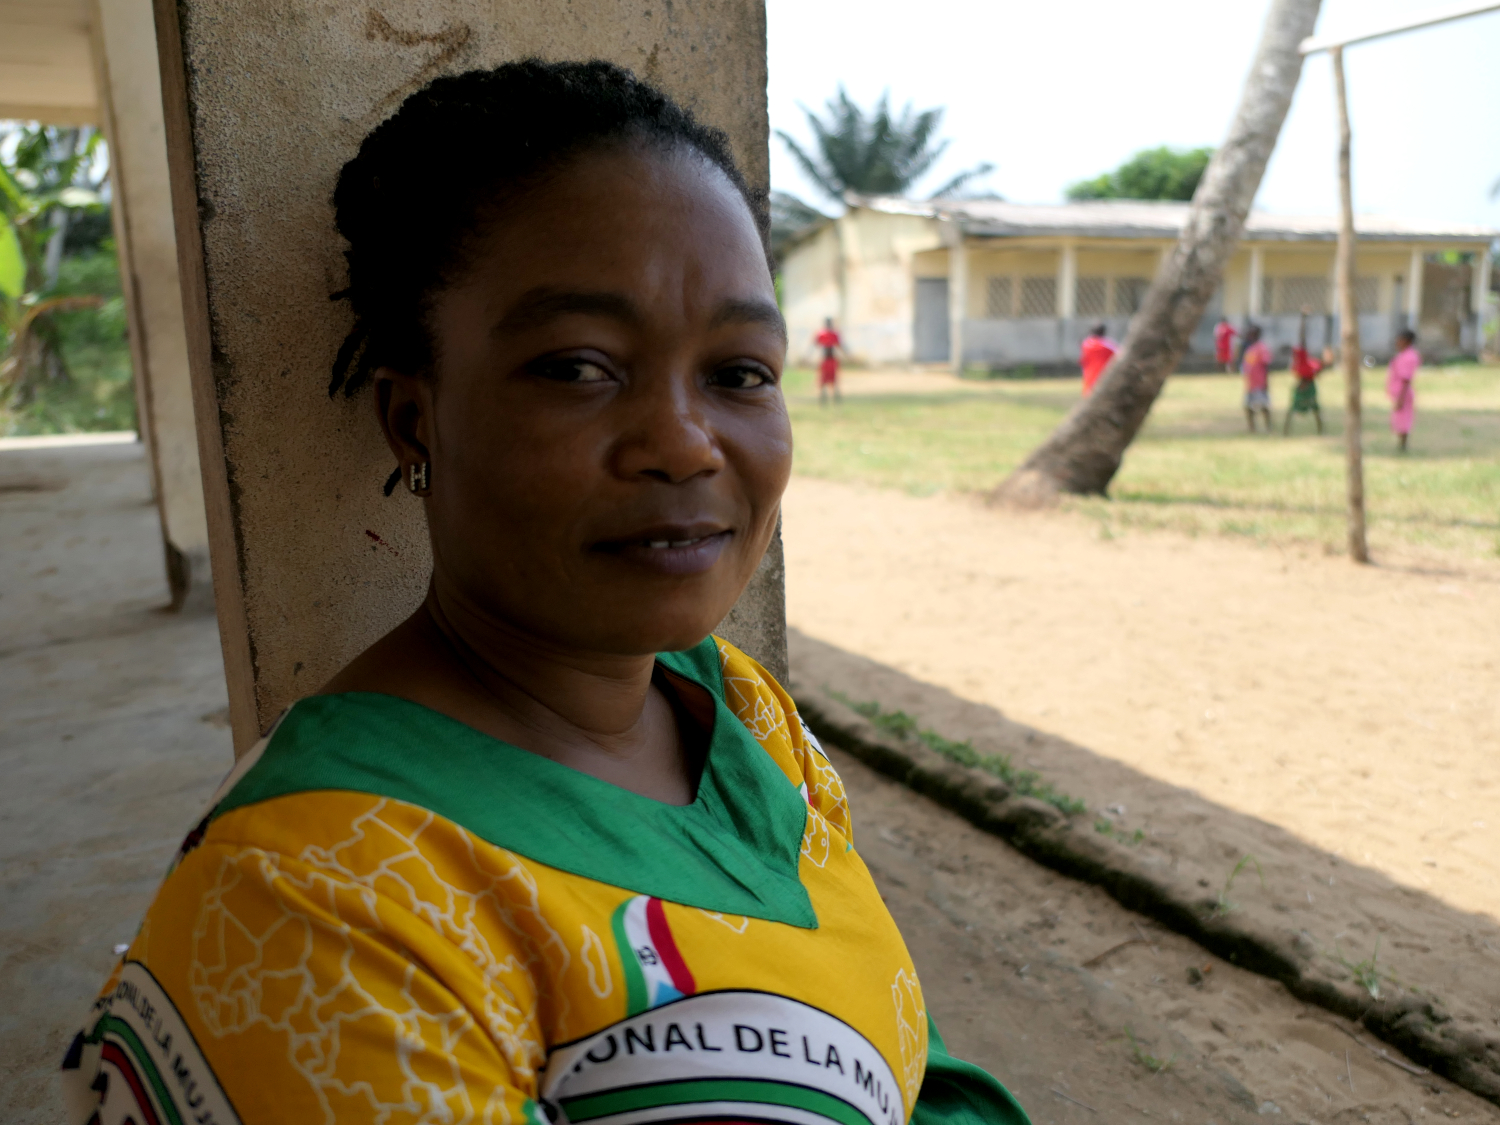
(1094, 355)
(1224, 334)
(1398, 385)
(828, 370)
(1256, 364)
(1307, 369)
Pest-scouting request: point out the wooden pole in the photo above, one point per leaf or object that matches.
(1349, 348)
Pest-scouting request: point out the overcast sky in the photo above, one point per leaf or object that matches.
(1053, 91)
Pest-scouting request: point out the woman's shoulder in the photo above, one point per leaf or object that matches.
(768, 711)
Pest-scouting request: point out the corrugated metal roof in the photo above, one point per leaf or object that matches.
(1133, 218)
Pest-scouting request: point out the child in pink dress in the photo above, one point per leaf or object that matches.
(1398, 385)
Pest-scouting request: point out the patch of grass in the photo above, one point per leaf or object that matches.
(1224, 906)
(1106, 827)
(1194, 468)
(1366, 973)
(1145, 1058)
(901, 726)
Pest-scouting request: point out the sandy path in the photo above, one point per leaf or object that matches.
(1358, 708)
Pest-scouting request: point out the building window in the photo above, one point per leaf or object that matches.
(1093, 294)
(1038, 297)
(1000, 304)
(1130, 292)
(1366, 295)
(1267, 292)
(1292, 293)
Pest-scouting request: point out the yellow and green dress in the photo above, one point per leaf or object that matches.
(388, 918)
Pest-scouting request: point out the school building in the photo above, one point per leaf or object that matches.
(1009, 285)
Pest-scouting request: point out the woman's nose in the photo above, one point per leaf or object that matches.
(668, 435)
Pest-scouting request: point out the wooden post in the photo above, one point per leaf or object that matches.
(1349, 348)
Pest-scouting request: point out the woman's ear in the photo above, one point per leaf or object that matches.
(403, 404)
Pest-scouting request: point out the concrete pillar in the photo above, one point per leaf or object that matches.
(1067, 282)
(1480, 295)
(1257, 271)
(958, 293)
(1414, 273)
(264, 104)
(129, 82)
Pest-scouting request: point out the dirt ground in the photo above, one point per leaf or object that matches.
(1026, 975)
(1355, 707)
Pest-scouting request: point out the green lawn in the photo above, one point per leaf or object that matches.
(1193, 468)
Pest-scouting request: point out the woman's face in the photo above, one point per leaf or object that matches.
(607, 435)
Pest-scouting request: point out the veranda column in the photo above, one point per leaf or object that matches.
(1067, 282)
(1257, 272)
(265, 100)
(1414, 279)
(124, 40)
(1480, 296)
(958, 293)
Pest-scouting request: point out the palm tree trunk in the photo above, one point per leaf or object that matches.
(1083, 454)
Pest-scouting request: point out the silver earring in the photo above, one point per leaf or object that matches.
(419, 477)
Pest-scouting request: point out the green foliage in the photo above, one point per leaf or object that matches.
(1223, 905)
(901, 726)
(91, 386)
(1149, 1061)
(1366, 973)
(1106, 827)
(1153, 173)
(12, 262)
(64, 359)
(875, 153)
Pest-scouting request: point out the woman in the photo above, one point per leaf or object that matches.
(548, 850)
(1399, 385)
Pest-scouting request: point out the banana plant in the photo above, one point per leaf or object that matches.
(40, 194)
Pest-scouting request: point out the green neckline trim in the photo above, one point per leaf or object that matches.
(734, 850)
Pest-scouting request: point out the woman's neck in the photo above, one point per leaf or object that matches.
(598, 713)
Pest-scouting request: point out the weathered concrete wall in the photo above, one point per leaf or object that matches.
(879, 286)
(265, 100)
(129, 79)
(811, 290)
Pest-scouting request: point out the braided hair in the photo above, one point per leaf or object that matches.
(412, 199)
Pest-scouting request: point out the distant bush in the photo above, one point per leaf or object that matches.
(89, 386)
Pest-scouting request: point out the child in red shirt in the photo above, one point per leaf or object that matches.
(1224, 334)
(1094, 355)
(1256, 364)
(828, 370)
(1307, 369)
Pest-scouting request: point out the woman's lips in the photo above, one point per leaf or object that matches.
(671, 551)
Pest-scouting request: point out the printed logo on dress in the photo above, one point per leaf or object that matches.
(655, 972)
(725, 1056)
(139, 1061)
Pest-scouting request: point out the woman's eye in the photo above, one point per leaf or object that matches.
(741, 377)
(571, 370)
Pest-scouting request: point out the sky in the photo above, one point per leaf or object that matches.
(1053, 91)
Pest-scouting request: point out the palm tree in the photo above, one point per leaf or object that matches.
(861, 154)
(876, 153)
